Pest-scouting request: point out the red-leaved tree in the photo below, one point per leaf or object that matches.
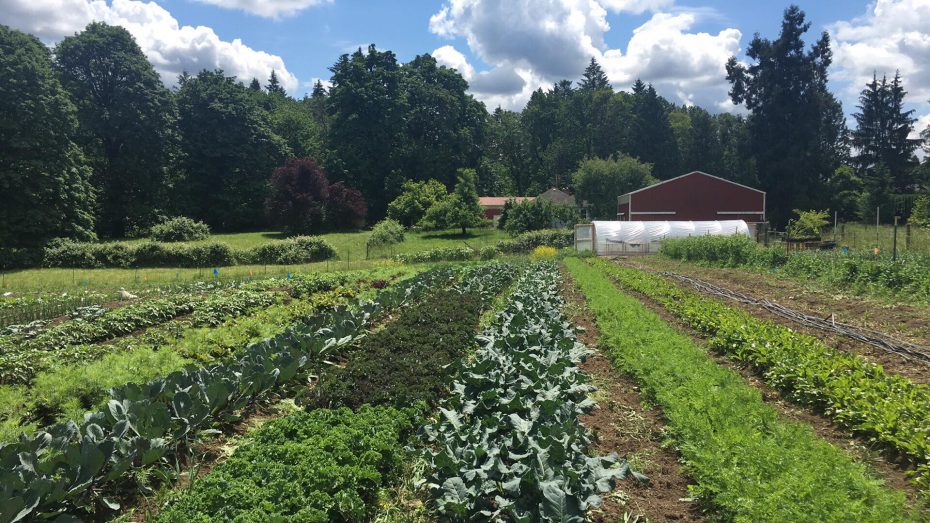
(301, 200)
(297, 198)
(345, 208)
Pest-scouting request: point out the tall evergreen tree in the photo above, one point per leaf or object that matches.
(44, 178)
(229, 151)
(318, 90)
(785, 90)
(273, 87)
(127, 122)
(254, 85)
(882, 130)
(594, 77)
(366, 113)
(651, 137)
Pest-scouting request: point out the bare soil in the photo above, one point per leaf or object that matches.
(621, 423)
(881, 462)
(903, 321)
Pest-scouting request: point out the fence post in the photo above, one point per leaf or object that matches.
(907, 237)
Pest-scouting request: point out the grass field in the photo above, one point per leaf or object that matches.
(350, 249)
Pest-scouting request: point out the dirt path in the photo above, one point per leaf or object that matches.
(882, 464)
(906, 322)
(622, 424)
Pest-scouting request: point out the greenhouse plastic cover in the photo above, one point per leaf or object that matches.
(647, 232)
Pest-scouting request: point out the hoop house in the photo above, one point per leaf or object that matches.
(616, 237)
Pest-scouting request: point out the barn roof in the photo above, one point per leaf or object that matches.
(556, 196)
(495, 201)
(690, 174)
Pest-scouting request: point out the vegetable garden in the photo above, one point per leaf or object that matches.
(451, 391)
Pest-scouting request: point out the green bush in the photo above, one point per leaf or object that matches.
(180, 229)
(534, 215)
(386, 232)
(526, 242)
(324, 465)
(299, 249)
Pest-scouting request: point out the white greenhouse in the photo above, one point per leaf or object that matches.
(617, 238)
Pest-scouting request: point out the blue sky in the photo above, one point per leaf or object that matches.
(505, 48)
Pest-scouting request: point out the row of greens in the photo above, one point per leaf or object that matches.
(67, 391)
(508, 443)
(318, 466)
(328, 465)
(522, 243)
(747, 463)
(887, 409)
(406, 362)
(908, 276)
(75, 468)
(21, 357)
(26, 352)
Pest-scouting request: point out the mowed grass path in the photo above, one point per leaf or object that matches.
(350, 250)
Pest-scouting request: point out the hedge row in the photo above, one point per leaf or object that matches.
(887, 409)
(747, 463)
(70, 254)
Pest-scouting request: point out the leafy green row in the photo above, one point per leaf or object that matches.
(908, 276)
(68, 391)
(886, 408)
(71, 468)
(74, 340)
(319, 466)
(748, 464)
(508, 443)
(447, 254)
(406, 362)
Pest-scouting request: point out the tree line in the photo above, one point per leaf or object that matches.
(96, 146)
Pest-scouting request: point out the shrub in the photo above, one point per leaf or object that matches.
(809, 224)
(920, 213)
(528, 241)
(534, 215)
(180, 229)
(299, 249)
(386, 232)
(302, 201)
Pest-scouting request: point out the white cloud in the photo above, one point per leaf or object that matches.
(891, 35)
(267, 8)
(450, 57)
(542, 41)
(171, 47)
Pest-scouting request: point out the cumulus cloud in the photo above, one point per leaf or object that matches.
(171, 47)
(266, 8)
(891, 35)
(542, 41)
(449, 56)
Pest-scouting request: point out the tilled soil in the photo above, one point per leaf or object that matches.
(881, 462)
(906, 322)
(622, 424)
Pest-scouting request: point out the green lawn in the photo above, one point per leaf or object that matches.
(350, 249)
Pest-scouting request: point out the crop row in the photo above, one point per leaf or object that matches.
(907, 276)
(323, 465)
(406, 362)
(71, 468)
(748, 464)
(312, 472)
(23, 356)
(508, 443)
(67, 391)
(888, 409)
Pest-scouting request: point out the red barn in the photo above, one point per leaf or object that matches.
(694, 196)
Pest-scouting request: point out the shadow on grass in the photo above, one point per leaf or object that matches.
(450, 235)
(275, 235)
